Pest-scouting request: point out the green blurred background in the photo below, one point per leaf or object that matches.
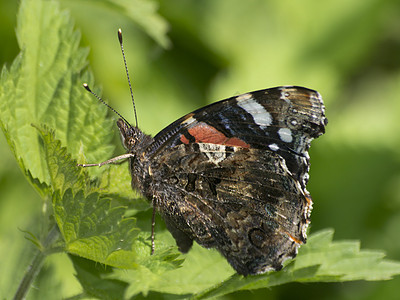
(347, 50)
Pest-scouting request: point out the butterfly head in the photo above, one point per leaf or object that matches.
(132, 137)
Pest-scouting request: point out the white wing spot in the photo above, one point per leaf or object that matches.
(260, 116)
(285, 95)
(285, 134)
(273, 147)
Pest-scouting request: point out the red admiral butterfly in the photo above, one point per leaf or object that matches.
(232, 175)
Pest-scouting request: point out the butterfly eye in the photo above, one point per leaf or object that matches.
(130, 142)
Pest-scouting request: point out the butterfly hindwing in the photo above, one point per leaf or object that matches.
(241, 201)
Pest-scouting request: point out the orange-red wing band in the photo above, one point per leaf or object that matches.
(204, 133)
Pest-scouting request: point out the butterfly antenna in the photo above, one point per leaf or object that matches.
(127, 73)
(85, 85)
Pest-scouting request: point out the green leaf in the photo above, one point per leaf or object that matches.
(44, 86)
(43, 189)
(91, 277)
(148, 270)
(320, 260)
(165, 272)
(63, 171)
(94, 230)
(90, 225)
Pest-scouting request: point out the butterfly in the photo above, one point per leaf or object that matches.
(232, 175)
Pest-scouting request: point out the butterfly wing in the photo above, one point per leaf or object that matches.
(232, 175)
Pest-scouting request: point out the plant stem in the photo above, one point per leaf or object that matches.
(36, 265)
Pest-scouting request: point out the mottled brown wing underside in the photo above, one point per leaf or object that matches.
(243, 202)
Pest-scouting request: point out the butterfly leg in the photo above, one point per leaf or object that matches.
(113, 160)
(153, 224)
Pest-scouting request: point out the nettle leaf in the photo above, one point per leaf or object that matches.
(148, 268)
(320, 260)
(44, 86)
(166, 272)
(205, 274)
(152, 269)
(91, 276)
(63, 171)
(90, 225)
(42, 188)
(93, 229)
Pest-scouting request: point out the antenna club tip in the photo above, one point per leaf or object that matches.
(120, 35)
(85, 85)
